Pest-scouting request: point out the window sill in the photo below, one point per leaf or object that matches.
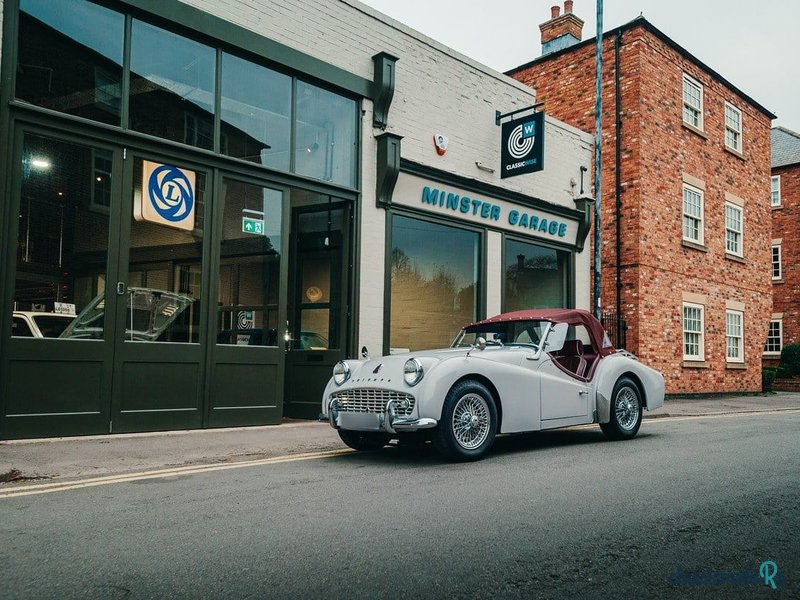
(695, 364)
(694, 130)
(735, 152)
(776, 206)
(694, 245)
(735, 258)
(777, 281)
(735, 366)
(771, 355)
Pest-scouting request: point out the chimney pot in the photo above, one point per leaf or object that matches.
(554, 11)
(567, 6)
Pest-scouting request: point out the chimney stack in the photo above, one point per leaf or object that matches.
(562, 30)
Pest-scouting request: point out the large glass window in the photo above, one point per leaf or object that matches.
(63, 240)
(70, 58)
(535, 276)
(325, 144)
(256, 113)
(249, 268)
(164, 273)
(172, 86)
(434, 288)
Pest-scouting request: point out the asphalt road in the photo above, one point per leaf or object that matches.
(547, 515)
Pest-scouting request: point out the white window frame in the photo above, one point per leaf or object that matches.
(777, 352)
(739, 251)
(779, 263)
(700, 356)
(738, 340)
(775, 190)
(701, 219)
(692, 82)
(737, 133)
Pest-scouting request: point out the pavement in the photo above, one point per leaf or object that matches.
(59, 459)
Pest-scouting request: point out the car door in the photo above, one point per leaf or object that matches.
(564, 396)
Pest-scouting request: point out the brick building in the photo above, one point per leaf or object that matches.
(784, 325)
(686, 221)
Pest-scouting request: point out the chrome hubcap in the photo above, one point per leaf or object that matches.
(627, 409)
(471, 420)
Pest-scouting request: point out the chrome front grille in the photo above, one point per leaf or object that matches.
(361, 400)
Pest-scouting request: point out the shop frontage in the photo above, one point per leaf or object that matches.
(177, 243)
(205, 208)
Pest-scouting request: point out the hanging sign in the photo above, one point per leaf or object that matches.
(522, 146)
(167, 197)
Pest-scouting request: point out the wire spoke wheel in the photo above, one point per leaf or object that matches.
(626, 407)
(471, 421)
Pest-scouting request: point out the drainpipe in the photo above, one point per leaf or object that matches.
(618, 182)
(598, 163)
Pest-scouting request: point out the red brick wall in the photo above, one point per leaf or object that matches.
(656, 150)
(785, 220)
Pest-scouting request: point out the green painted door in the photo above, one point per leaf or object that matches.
(163, 292)
(56, 377)
(319, 309)
(247, 355)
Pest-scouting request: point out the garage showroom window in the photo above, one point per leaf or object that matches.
(70, 60)
(434, 286)
(535, 276)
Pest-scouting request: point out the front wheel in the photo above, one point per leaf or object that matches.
(364, 440)
(468, 425)
(626, 411)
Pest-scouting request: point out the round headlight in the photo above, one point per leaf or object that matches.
(341, 372)
(412, 371)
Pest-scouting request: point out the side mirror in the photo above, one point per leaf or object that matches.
(480, 343)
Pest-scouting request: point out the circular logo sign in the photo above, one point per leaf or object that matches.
(170, 193)
(519, 147)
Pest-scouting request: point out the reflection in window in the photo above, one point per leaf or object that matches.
(535, 276)
(434, 283)
(256, 112)
(325, 144)
(70, 58)
(172, 86)
(164, 272)
(62, 243)
(249, 272)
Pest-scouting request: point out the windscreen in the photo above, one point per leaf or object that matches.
(527, 333)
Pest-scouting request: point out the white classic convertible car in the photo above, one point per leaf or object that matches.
(521, 371)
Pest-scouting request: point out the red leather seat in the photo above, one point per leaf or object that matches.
(570, 357)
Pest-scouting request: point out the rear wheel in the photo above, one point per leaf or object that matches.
(626, 411)
(468, 425)
(364, 440)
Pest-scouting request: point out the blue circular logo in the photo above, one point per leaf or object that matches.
(171, 193)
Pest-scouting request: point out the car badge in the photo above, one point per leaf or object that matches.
(377, 369)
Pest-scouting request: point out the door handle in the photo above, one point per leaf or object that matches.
(583, 392)
(120, 288)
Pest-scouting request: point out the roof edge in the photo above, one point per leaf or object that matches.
(663, 37)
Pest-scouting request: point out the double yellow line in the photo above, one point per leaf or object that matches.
(46, 488)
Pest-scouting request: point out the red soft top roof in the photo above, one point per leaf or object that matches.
(570, 316)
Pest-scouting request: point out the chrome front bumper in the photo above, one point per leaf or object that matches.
(387, 421)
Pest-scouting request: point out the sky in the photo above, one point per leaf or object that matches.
(754, 44)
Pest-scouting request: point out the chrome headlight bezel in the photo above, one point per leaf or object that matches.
(341, 373)
(413, 372)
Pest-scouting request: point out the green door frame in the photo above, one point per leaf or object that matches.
(222, 358)
(57, 358)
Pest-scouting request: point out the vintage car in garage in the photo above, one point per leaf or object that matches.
(521, 371)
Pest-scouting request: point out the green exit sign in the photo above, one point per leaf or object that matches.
(254, 226)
